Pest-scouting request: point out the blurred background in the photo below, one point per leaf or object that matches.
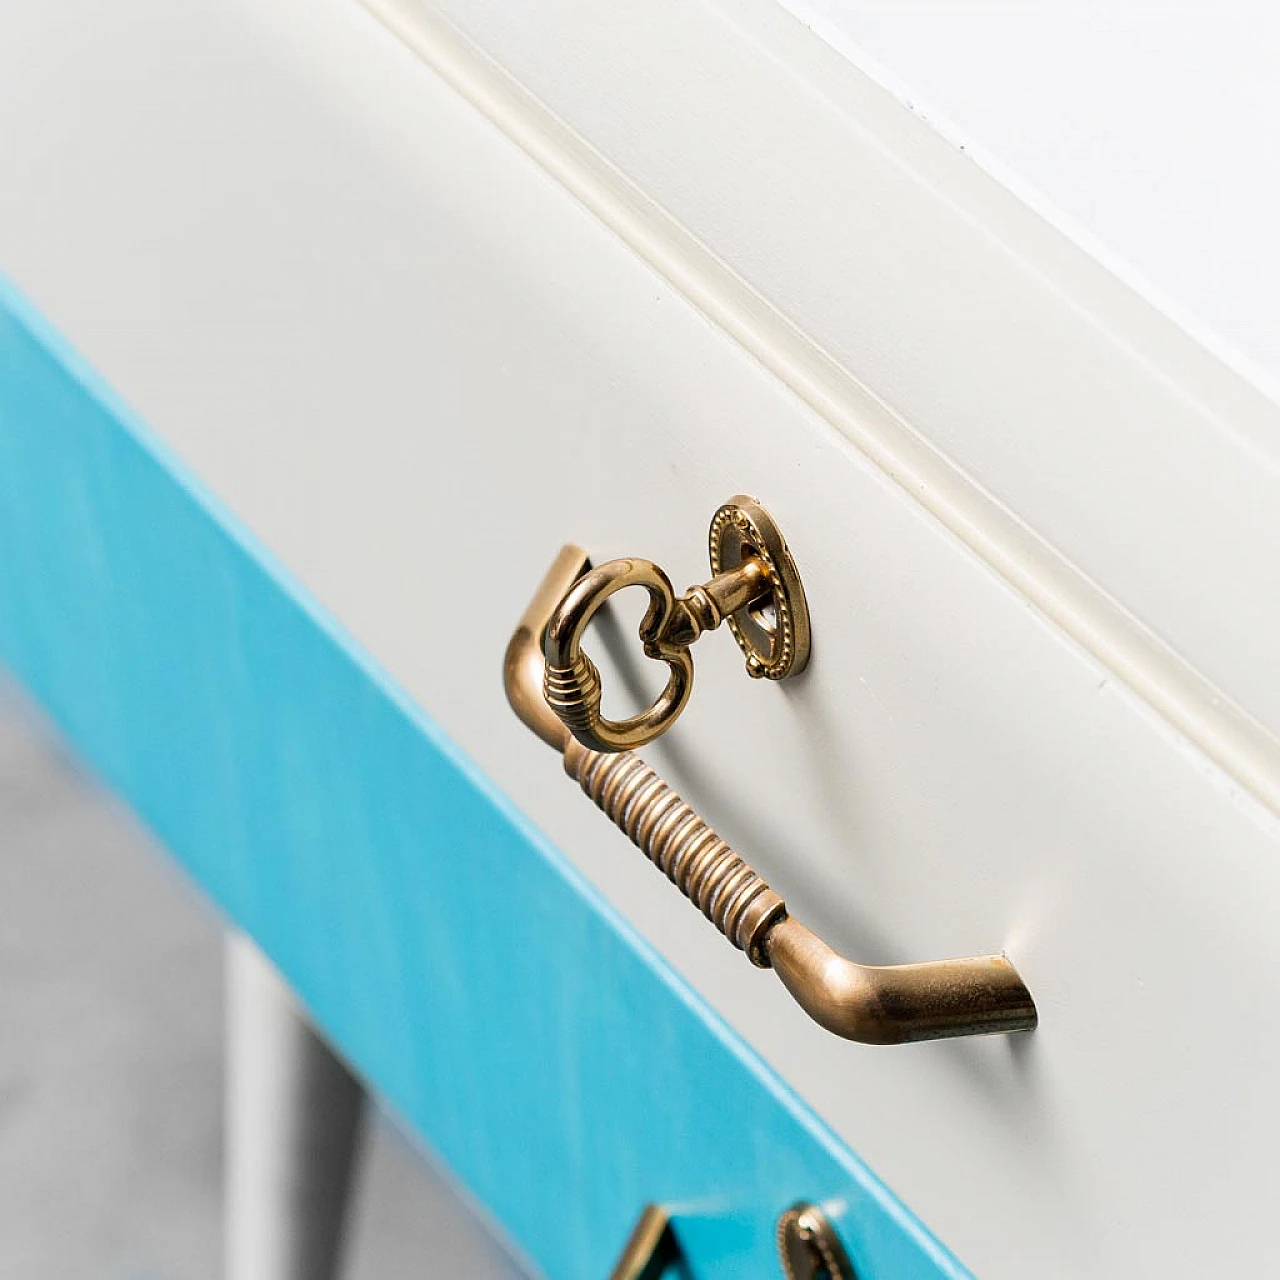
(111, 1073)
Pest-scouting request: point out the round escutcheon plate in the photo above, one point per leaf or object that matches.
(773, 633)
(809, 1246)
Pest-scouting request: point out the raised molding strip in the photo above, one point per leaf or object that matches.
(1155, 556)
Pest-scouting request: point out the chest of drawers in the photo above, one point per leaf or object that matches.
(405, 305)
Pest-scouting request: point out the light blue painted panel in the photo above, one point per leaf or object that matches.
(544, 1052)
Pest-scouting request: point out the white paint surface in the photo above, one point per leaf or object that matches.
(1113, 470)
(1150, 132)
(386, 337)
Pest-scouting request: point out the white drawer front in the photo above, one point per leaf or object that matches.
(415, 366)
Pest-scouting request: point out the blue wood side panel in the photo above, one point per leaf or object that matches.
(557, 1065)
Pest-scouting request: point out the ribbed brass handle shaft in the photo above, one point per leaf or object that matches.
(679, 843)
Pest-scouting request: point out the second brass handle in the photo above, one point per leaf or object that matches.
(808, 1245)
(668, 832)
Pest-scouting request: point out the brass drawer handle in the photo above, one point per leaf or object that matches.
(893, 1004)
(808, 1246)
(651, 1249)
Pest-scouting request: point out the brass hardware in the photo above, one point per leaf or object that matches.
(755, 588)
(571, 682)
(701, 865)
(872, 1004)
(773, 633)
(651, 1248)
(809, 1246)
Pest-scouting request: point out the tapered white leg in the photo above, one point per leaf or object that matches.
(293, 1117)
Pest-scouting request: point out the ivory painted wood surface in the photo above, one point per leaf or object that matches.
(405, 355)
(1119, 476)
(1142, 131)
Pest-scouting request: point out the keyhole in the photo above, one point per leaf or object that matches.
(765, 615)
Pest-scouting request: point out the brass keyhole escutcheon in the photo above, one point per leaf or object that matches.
(772, 630)
(755, 589)
(809, 1246)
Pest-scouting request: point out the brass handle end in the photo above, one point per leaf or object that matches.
(899, 1004)
(523, 664)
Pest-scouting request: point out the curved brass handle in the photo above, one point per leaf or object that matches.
(651, 1248)
(872, 1004)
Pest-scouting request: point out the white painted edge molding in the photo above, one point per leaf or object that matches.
(1188, 478)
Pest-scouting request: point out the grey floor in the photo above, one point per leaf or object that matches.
(111, 1058)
